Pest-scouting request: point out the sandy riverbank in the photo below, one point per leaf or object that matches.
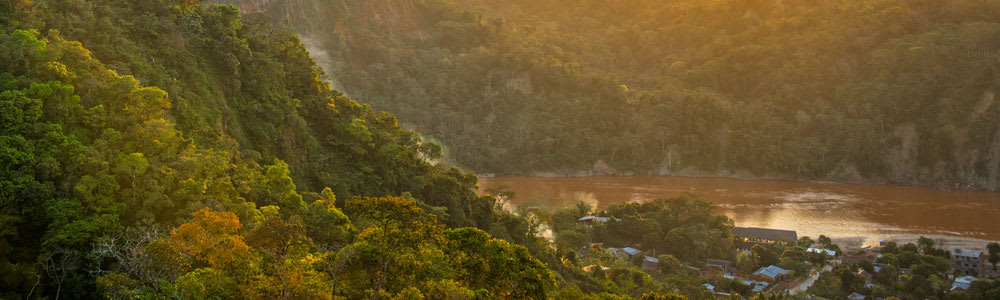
(946, 242)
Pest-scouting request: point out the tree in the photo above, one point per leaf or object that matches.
(926, 245)
(326, 225)
(132, 166)
(767, 255)
(504, 269)
(994, 256)
(281, 190)
(396, 225)
(806, 242)
(275, 238)
(656, 296)
(59, 265)
(849, 280)
(825, 242)
(891, 248)
(747, 263)
(569, 240)
(668, 264)
(771, 296)
(206, 283)
(210, 239)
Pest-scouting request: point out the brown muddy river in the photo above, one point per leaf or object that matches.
(863, 213)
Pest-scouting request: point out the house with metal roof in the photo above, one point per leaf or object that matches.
(963, 283)
(771, 272)
(965, 261)
(649, 263)
(856, 296)
(757, 286)
(822, 251)
(591, 220)
(766, 235)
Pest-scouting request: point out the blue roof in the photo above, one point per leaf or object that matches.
(631, 251)
(759, 286)
(771, 271)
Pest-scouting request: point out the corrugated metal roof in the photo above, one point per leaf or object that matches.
(766, 234)
(771, 271)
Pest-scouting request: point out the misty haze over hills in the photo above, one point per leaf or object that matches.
(326, 149)
(856, 91)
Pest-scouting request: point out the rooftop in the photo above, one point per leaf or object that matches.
(822, 251)
(771, 271)
(967, 252)
(757, 285)
(766, 234)
(592, 218)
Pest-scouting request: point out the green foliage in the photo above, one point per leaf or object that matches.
(655, 296)
(171, 108)
(171, 149)
(685, 227)
(506, 270)
(884, 90)
(994, 254)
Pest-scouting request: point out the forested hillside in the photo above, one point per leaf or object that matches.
(181, 150)
(899, 91)
(174, 115)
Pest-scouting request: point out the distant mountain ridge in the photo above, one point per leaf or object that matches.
(883, 91)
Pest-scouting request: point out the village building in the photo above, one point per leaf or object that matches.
(591, 220)
(963, 283)
(627, 252)
(857, 296)
(631, 251)
(585, 250)
(765, 235)
(725, 266)
(770, 273)
(965, 261)
(822, 251)
(757, 286)
(650, 263)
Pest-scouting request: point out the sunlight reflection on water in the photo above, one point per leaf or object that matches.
(837, 210)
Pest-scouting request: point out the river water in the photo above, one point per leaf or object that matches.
(854, 214)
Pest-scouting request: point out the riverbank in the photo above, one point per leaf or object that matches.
(870, 212)
(853, 179)
(944, 242)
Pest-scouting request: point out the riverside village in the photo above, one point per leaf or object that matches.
(769, 260)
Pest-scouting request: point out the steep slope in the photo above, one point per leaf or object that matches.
(181, 150)
(113, 187)
(871, 91)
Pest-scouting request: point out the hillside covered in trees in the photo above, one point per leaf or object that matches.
(897, 91)
(183, 150)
